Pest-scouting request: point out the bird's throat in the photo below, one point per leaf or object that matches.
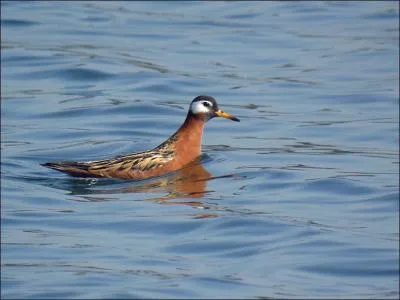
(188, 145)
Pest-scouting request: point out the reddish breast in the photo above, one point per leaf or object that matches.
(187, 148)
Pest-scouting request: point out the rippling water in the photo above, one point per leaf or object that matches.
(300, 199)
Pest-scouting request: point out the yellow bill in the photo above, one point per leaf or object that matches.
(220, 113)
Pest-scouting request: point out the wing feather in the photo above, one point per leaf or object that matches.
(142, 161)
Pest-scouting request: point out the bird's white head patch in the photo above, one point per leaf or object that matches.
(203, 106)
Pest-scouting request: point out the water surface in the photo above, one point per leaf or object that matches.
(298, 200)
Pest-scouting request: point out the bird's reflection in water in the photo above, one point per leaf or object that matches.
(189, 182)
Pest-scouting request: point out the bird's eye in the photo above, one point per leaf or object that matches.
(206, 104)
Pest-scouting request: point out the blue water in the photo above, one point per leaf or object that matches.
(298, 200)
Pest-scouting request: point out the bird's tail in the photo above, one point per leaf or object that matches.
(75, 169)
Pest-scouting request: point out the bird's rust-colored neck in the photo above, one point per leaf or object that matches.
(188, 144)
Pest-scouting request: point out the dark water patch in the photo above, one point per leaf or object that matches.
(386, 14)
(306, 167)
(196, 84)
(84, 74)
(154, 36)
(225, 282)
(355, 269)
(251, 227)
(90, 32)
(335, 122)
(160, 88)
(72, 74)
(338, 187)
(7, 144)
(272, 186)
(375, 205)
(84, 92)
(356, 98)
(283, 82)
(319, 246)
(97, 19)
(22, 60)
(126, 110)
(389, 198)
(242, 16)
(18, 23)
(47, 295)
(147, 65)
(144, 226)
(36, 214)
(72, 113)
(206, 247)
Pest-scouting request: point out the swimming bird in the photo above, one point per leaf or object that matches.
(181, 148)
